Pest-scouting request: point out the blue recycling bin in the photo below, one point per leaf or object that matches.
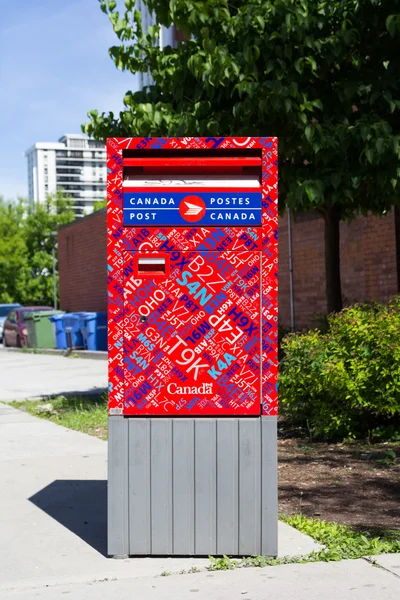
(94, 330)
(72, 323)
(59, 332)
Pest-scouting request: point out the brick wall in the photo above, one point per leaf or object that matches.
(82, 258)
(368, 264)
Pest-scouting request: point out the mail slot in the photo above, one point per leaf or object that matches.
(152, 266)
(192, 288)
(210, 191)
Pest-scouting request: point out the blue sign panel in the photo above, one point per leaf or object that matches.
(172, 208)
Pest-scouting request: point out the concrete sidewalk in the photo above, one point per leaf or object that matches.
(53, 535)
(73, 353)
(346, 580)
(25, 375)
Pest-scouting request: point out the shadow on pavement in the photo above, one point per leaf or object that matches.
(80, 506)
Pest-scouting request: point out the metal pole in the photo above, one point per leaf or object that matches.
(160, 39)
(53, 257)
(291, 295)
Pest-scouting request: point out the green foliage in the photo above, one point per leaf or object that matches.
(282, 332)
(193, 570)
(27, 235)
(321, 75)
(12, 250)
(342, 542)
(345, 382)
(389, 459)
(99, 204)
(82, 413)
(223, 563)
(339, 543)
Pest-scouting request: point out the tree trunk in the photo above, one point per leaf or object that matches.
(332, 259)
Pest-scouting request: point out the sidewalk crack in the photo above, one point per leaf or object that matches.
(374, 563)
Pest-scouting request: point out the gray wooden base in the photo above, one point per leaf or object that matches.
(192, 486)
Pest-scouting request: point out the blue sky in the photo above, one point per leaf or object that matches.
(54, 67)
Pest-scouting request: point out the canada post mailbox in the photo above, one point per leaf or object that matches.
(192, 289)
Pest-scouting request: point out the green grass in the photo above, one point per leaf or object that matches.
(82, 413)
(341, 542)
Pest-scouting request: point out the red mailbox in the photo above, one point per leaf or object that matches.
(190, 223)
(192, 333)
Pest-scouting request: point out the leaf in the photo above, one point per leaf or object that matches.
(260, 21)
(390, 25)
(336, 178)
(268, 67)
(309, 133)
(298, 65)
(380, 144)
(314, 194)
(312, 62)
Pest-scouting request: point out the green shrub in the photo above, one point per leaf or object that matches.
(345, 382)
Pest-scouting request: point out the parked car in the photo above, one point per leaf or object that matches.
(14, 331)
(4, 310)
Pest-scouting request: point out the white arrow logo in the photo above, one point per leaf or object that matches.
(193, 209)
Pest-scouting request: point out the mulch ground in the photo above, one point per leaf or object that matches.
(356, 485)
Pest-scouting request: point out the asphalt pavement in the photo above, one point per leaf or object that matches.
(25, 375)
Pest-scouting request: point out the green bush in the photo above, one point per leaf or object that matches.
(345, 382)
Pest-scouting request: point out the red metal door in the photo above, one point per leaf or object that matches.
(192, 333)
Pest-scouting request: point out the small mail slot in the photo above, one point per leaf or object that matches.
(151, 266)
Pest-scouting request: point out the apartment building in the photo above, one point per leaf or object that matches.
(74, 164)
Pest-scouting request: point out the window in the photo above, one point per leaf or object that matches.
(12, 317)
(93, 144)
(76, 143)
(5, 310)
(66, 163)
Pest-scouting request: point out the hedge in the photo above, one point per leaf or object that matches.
(345, 382)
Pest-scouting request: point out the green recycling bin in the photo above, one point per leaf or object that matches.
(40, 329)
